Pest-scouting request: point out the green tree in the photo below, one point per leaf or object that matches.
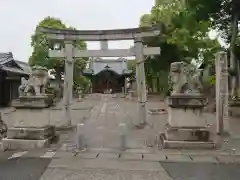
(131, 65)
(41, 46)
(184, 38)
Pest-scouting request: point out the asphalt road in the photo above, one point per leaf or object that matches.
(23, 168)
(33, 169)
(202, 171)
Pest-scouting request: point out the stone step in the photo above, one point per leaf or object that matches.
(19, 104)
(21, 144)
(175, 144)
(29, 133)
(187, 134)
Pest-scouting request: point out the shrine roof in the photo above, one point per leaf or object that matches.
(98, 65)
(25, 67)
(9, 64)
(5, 58)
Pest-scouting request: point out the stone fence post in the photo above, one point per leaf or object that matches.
(222, 94)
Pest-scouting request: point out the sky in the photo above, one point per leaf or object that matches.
(20, 17)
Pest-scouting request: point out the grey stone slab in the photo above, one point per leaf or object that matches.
(188, 145)
(139, 151)
(130, 156)
(183, 134)
(105, 150)
(36, 103)
(78, 163)
(228, 159)
(154, 157)
(61, 154)
(102, 174)
(34, 153)
(205, 159)
(12, 144)
(31, 133)
(109, 155)
(87, 155)
(31, 118)
(178, 158)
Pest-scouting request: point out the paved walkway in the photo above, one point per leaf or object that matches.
(102, 128)
(102, 115)
(103, 159)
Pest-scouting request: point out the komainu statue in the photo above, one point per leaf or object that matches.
(185, 79)
(36, 84)
(32, 92)
(186, 127)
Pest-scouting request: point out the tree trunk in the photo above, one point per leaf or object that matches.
(158, 84)
(58, 81)
(150, 82)
(232, 54)
(58, 76)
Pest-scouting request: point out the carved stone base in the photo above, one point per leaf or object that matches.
(33, 102)
(28, 133)
(171, 144)
(25, 138)
(186, 126)
(185, 111)
(187, 134)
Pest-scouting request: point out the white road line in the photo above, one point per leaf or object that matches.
(18, 154)
(48, 155)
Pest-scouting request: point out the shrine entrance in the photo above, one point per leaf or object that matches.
(107, 80)
(69, 52)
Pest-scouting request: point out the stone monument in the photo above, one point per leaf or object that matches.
(32, 127)
(32, 92)
(186, 127)
(223, 105)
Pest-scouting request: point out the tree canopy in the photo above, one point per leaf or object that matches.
(185, 34)
(41, 46)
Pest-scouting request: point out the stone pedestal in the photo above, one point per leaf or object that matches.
(31, 133)
(30, 130)
(33, 102)
(234, 107)
(25, 138)
(186, 127)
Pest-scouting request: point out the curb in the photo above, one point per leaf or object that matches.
(158, 157)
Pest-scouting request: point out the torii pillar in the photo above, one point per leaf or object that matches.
(68, 81)
(141, 82)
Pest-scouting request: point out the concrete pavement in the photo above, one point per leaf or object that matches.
(104, 159)
(59, 165)
(23, 168)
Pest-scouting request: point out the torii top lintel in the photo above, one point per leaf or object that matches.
(100, 35)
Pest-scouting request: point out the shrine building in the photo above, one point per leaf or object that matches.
(106, 74)
(11, 72)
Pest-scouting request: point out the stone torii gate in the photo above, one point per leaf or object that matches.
(69, 52)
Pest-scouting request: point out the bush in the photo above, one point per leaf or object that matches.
(82, 82)
(211, 80)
